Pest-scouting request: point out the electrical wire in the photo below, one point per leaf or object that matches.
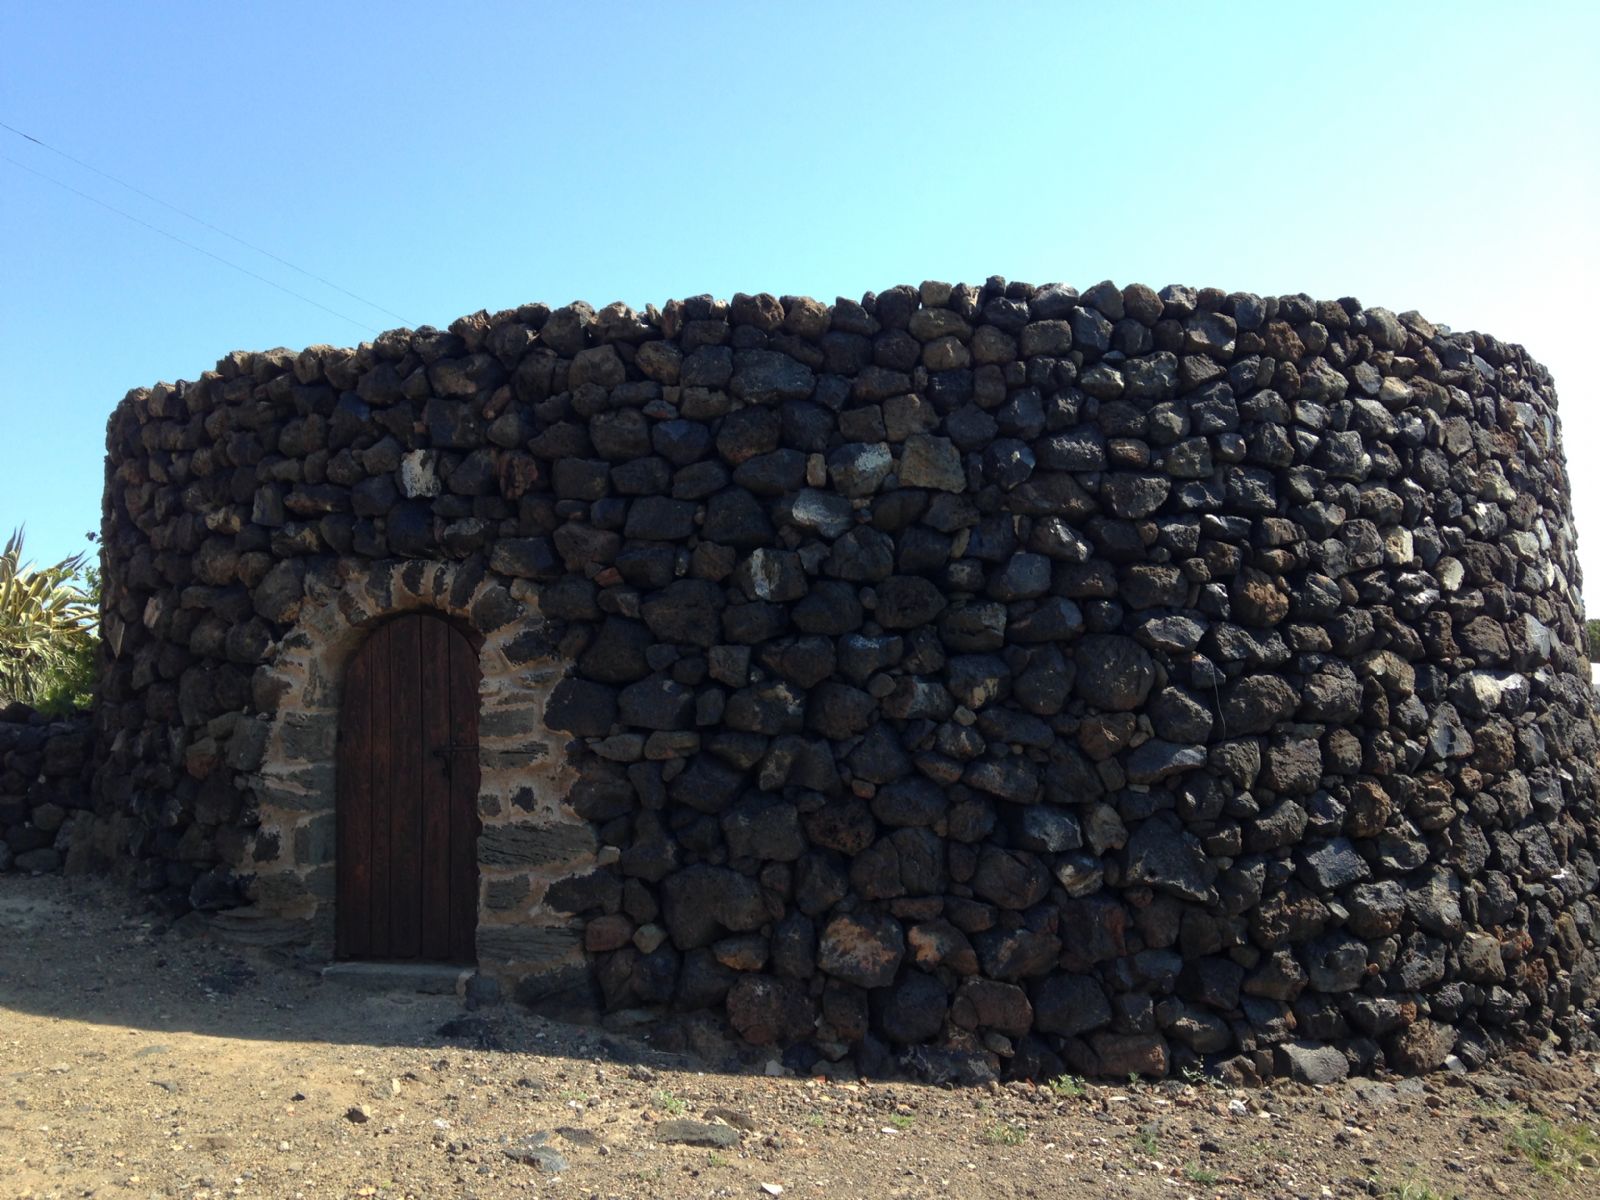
(198, 249)
(202, 221)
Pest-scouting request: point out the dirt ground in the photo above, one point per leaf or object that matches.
(137, 1061)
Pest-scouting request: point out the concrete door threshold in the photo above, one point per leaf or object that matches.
(438, 979)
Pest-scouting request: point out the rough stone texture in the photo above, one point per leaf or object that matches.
(1308, 1062)
(684, 1131)
(45, 772)
(1129, 680)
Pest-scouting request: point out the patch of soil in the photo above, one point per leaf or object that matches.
(140, 1062)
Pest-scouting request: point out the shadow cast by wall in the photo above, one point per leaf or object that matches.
(77, 951)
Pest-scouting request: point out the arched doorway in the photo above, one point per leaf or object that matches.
(407, 795)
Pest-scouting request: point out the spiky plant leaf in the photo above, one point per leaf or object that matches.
(46, 620)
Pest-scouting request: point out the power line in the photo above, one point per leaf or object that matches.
(198, 249)
(202, 221)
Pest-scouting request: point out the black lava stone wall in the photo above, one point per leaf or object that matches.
(996, 678)
(44, 786)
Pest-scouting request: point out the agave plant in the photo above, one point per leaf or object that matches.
(46, 622)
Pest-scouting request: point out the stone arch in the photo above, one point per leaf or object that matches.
(530, 835)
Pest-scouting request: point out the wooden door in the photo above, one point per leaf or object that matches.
(408, 795)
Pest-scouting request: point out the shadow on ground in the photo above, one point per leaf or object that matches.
(78, 950)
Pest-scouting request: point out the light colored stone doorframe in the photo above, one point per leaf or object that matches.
(530, 835)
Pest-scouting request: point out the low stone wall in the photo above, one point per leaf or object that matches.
(45, 770)
(1001, 677)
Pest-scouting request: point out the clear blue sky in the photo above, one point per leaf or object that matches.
(442, 158)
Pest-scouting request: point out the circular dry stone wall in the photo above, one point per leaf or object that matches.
(977, 680)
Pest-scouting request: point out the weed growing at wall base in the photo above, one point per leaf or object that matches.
(1566, 1150)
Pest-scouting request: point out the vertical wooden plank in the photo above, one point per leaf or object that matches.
(405, 817)
(407, 823)
(436, 768)
(353, 812)
(464, 779)
(380, 788)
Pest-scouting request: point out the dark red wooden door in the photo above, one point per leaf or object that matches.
(408, 795)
